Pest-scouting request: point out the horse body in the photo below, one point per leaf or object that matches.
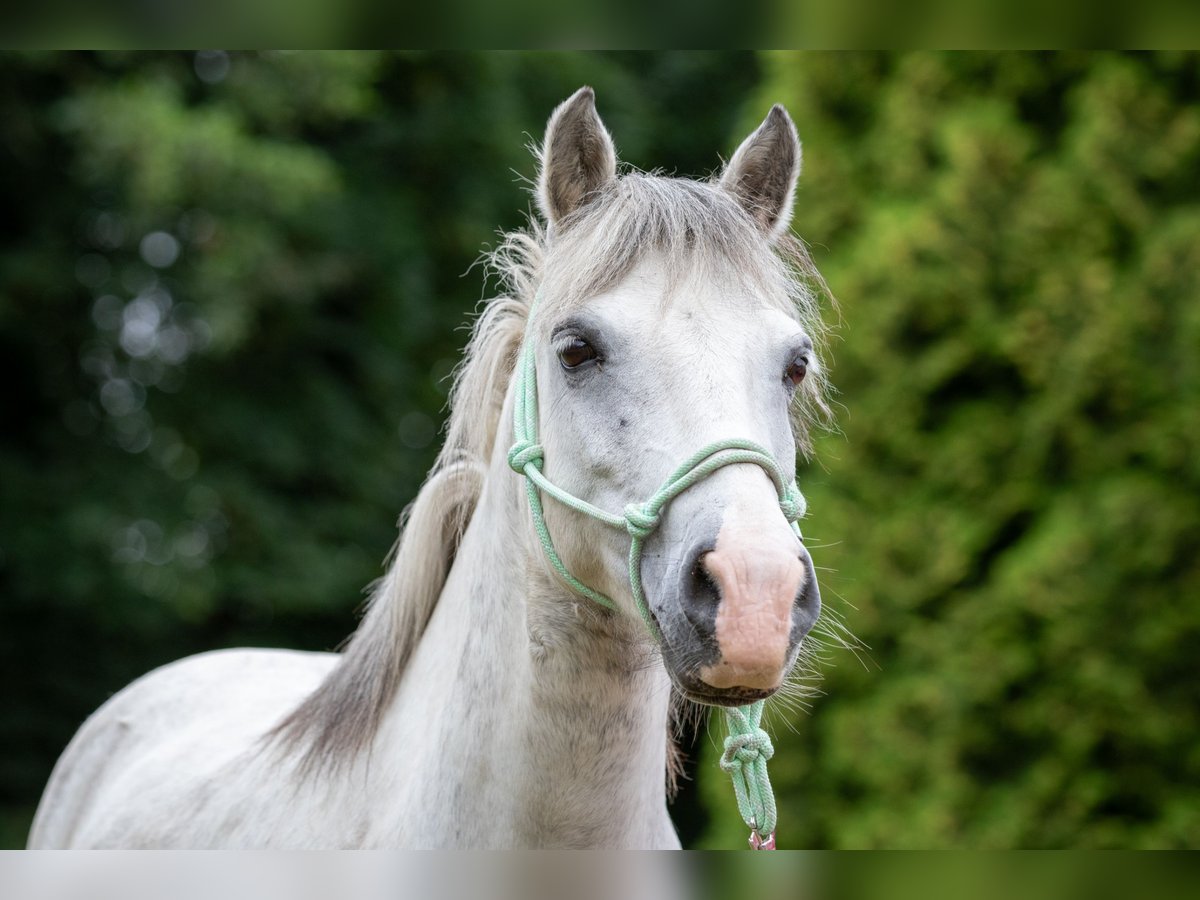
(141, 770)
(483, 702)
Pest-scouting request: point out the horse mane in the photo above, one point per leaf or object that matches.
(691, 224)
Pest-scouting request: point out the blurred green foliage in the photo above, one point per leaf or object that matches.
(231, 287)
(1012, 516)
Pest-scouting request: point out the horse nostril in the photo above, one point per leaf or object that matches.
(808, 598)
(702, 578)
(703, 596)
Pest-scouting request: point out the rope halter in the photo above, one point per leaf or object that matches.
(748, 746)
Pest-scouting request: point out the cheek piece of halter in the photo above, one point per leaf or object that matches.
(748, 746)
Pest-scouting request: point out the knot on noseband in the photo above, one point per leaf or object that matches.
(745, 749)
(523, 453)
(793, 504)
(639, 522)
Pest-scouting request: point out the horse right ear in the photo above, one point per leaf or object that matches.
(577, 156)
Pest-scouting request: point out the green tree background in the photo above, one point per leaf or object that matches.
(231, 287)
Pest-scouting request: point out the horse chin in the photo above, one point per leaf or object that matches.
(698, 692)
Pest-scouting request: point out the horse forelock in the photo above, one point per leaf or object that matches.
(692, 226)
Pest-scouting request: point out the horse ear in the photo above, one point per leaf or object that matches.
(577, 156)
(762, 174)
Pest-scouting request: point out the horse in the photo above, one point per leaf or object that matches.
(512, 681)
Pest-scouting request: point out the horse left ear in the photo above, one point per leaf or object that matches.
(762, 174)
(578, 157)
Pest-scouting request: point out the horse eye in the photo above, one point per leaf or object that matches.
(576, 353)
(796, 371)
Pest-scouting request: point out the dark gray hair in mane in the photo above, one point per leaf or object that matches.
(692, 225)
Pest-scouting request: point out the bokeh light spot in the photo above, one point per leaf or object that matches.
(211, 66)
(159, 249)
(107, 231)
(120, 397)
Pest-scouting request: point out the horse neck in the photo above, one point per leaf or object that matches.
(547, 716)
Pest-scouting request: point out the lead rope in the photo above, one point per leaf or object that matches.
(748, 746)
(747, 749)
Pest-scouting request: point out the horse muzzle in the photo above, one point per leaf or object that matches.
(743, 609)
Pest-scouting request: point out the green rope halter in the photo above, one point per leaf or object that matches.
(748, 747)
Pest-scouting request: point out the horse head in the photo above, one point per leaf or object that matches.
(671, 316)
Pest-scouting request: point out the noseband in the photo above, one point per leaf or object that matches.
(748, 747)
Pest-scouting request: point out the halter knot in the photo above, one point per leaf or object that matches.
(793, 504)
(745, 749)
(639, 522)
(523, 453)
